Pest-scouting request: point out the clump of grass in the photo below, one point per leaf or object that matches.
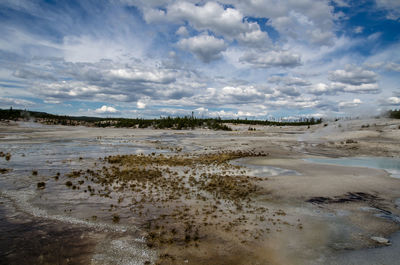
(4, 170)
(115, 218)
(228, 187)
(74, 174)
(7, 156)
(41, 185)
(68, 183)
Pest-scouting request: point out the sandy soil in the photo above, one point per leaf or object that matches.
(311, 217)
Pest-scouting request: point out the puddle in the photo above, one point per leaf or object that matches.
(391, 165)
(263, 171)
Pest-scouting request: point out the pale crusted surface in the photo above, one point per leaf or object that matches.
(307, 233)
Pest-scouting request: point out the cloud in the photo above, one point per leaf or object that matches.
(321, 89)
(15, 103)
(353, 76)
(207, 48)
(33, 74)
(254, 37)
(286, 56)
(106, 110)
(182, 31)
(393, 67)
(393, 100)
(342, 3)
(306, 20)
(152, 76)
(337, 87)
(296, 103)
(228, 22)
(108, 81)
(66, 89)
(359, 89)
(271, 59)
(141, 105)
(201, 110)
(289, 80)
(289, 91)
(358, 29)
(223, 21)
(390, 102)
(352, 79)
(350, 104)
(238, 114)
(392, 7)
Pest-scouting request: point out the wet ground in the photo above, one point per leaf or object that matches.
(25, 239)
(44, 220)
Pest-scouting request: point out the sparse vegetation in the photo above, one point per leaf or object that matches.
(7, 156)
(4, 170)
(41, 185)
(115, 218)
(179, 197)
(68, 183)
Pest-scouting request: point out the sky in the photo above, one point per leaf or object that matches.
(255, 59)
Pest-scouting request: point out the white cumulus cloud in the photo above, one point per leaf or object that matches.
(349, 104)
(106, 110)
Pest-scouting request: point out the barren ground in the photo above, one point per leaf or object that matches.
(198, 197)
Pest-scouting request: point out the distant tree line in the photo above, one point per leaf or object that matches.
(394, 114)
(177, 123)
(300, 122)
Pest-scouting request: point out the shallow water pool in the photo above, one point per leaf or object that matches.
(263, 171)
(391, 165)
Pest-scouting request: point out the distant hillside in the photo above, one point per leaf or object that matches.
(176, 123)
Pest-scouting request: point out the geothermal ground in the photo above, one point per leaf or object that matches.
(276, 195)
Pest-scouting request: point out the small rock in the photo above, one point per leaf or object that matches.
(381, 240)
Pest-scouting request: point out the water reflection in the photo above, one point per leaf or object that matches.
(263, 171)
(391, 165)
